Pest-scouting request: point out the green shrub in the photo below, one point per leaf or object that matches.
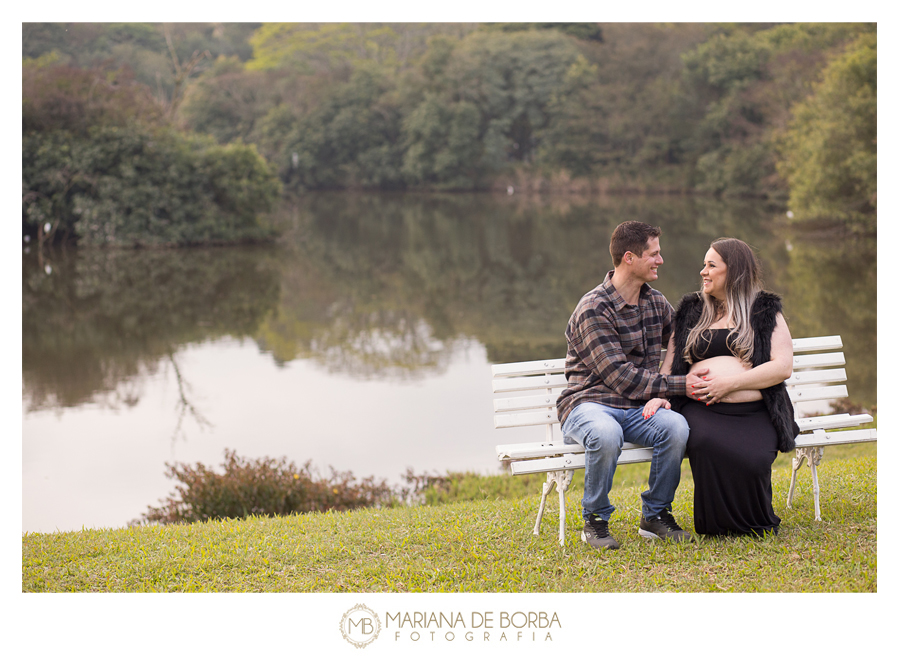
(102, 165)
(136, 185)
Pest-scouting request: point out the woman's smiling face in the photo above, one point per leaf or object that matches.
(713, 274)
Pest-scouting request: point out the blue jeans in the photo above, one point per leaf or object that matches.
(602, 430)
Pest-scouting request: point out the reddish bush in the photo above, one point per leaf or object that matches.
(262, 487)
(61, 97)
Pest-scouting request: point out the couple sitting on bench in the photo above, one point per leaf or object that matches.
(719, 398)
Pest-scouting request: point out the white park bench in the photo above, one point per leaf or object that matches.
(537, 384)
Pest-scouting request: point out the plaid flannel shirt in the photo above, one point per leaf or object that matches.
(615, 350)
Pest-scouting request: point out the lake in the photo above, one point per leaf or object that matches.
(362, 340)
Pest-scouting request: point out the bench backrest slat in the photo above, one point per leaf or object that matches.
(544, 382)
(817, 344)
(546, 417)
(535, 385)
(825, 360)
(808, 394)
(801, 360)
(526, 402)
(817, 377)
(526, 368)
(529, 383)
(547, 414)
(548, 399)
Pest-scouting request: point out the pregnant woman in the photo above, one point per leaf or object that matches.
(740, 415)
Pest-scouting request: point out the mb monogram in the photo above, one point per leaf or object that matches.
(360, 626)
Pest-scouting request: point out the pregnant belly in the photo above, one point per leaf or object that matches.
(722, 366)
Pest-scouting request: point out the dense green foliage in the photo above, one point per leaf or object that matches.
(134, 185)
(628, 106)
(142, 48)
(830, 157)
(750, 84)
(101, 164)
(785, 111)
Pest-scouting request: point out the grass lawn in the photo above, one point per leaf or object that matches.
(484, 544)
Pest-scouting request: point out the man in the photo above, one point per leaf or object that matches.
(615, 338)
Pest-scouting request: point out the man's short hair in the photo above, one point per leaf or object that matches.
(633, 237)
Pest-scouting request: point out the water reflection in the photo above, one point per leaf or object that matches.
(830, 287)
(385, 286)
(379, 296)
(103, 321)
(508, 272)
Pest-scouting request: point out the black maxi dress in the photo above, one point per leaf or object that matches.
(731, 448)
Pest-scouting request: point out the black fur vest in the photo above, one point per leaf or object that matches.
(765, 309)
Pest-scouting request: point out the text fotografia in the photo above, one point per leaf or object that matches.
(479, 626)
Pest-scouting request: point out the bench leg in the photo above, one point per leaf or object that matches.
(545, 489)
(796, 463)
(814, 460)
(562, 480)
(814, 456)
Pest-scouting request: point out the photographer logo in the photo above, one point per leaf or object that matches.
(360, 626)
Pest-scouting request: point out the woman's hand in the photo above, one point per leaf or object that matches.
(654, 405)
(713, 388)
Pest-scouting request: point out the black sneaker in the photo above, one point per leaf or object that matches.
(663, 526)
(596, 534)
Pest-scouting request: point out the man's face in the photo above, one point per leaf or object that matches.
(644, 266)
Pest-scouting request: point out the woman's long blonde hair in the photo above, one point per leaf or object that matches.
(743, 281)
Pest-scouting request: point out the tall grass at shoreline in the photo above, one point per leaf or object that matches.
(482, 546)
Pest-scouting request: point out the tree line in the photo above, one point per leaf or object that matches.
(187, 132)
